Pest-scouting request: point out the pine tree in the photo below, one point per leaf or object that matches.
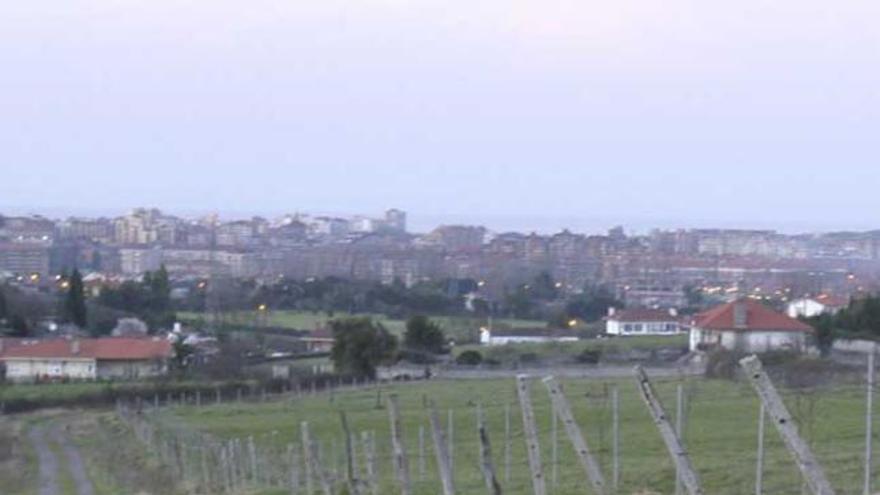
(4, 310)
(75, 303)
(160, 290)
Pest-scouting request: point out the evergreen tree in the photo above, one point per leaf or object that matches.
(4, 310)
(360, 346)
(75, 302)
(160, 290)
(19, 325)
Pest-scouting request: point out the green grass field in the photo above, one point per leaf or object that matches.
(456, 327)
(510, 353)
(721, 433)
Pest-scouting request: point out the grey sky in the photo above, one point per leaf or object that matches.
(531, 115)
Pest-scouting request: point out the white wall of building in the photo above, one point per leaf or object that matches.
(486, 338)
(807, 308)
(25, 370)
(628, 328)
(748, 341)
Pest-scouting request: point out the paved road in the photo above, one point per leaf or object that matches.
(49, 465)
(48, 462)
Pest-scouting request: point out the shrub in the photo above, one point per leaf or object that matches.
(528, 358)
(723, 364)
(469, 358)
(589, 356)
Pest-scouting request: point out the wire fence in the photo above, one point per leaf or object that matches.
(309, 453)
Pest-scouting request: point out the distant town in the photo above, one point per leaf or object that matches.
(661, 269)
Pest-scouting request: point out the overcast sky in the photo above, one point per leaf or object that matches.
(521, 114)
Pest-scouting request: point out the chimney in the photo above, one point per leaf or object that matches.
(740, 315)
(673, 312)
(611, 311)
(1, 345)
(74, 347)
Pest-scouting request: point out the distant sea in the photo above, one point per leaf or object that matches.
(541, 224)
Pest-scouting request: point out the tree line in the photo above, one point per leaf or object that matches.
(148, 299)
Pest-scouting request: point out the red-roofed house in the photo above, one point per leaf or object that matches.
(748, 326)
(630, 322)
(85, 359)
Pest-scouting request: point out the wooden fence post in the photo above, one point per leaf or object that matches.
(422, 464)
(615, 439)
(554, 447)
(869, 423)
(531, 431)
(507, 441)
(312, 463)
(679, 430)
(293, 469)
(450, 437)
(441, 447)
(401, 462)
(369, 445)
(679, 455)
(562, 409)
(810, 468)
(353, 486)
(759, 474)
(488, 468)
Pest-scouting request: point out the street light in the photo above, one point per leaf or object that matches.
(262, 308)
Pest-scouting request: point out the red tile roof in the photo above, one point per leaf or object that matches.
(630, 315)
(104, 349)
(832, 301)
(758, 318)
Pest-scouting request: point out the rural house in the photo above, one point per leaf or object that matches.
(747, 326)
(642, 322)
(84, 359)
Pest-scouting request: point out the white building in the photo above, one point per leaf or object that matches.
(642, 322)
(810, 307)
(496, 337)
(137, 261)
(747, 326)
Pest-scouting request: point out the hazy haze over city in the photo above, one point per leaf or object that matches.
(518, 115)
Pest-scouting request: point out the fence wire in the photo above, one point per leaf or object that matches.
(264, 449)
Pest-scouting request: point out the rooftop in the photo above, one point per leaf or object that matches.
(747, 315)
(105, 349)
(642, 314)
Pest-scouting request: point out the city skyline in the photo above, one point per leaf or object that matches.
(422, 224)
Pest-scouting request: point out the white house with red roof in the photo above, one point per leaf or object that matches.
(823, 304)
(27, 360)
(748, 326)
(633, 322)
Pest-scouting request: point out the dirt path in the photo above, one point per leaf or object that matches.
(50, 467)
(48, 462)
(75, 463)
